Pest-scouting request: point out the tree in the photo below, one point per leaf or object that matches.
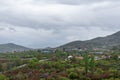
(92, 64)
(86, 60)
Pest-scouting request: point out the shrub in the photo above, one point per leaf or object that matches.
(63, 78)
(70, 70)
(99, 71)
(3, 77)
(73, 75)
(33, 63)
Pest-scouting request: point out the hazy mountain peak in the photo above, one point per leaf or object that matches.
(11, 47)
(10, 44)
(99, 42)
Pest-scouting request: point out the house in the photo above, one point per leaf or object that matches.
(69, 57)
(97, 58)
(118, 56)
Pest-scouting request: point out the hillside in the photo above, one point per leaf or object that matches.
(10, 47)
(97, 43)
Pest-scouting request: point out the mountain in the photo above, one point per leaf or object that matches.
(97, 43)
(10, 47)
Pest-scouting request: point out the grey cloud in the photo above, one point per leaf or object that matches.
(1, 29)
(56, 22)
(73, 2)
(85, 15)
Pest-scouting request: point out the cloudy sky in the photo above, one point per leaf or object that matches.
(43, 23)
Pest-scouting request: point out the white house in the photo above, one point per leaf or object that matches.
(70, 57)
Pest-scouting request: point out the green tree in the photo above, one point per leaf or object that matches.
(86, 60)
(92, 64)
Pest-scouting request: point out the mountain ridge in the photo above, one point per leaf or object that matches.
(11, 47)
(106, 42)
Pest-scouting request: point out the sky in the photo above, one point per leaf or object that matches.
(51, 23)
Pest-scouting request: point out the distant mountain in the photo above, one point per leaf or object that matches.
(10, 47)
(97, 43)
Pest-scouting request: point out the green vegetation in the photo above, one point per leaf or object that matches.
(86, 59)
(92, 64)
(3, 77)
(34, 65)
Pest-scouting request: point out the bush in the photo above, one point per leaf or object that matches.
(33, 63)
(3, 77)
(63, 78)
(73, 75)
(70, 70)
(99, 71)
